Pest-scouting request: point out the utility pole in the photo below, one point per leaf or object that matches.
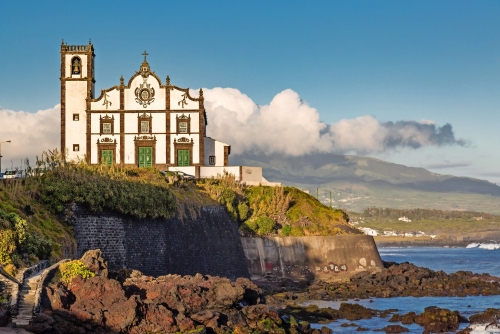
(317, 194)
(330, 199)
(8, 141)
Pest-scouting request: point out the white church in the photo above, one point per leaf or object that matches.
(142, 122)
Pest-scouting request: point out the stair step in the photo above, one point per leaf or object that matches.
(28, 296)
(22, 324)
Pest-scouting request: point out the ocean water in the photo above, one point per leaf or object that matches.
(467, 306)
(478, 258)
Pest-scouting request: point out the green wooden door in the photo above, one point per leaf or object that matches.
(107, 157)
(145, 156)
(183, 157)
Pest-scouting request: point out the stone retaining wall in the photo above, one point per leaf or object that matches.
(311, 256)
(208, 244)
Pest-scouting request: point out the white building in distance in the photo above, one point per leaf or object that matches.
(404, 219)
(142, 122)
(369, 231)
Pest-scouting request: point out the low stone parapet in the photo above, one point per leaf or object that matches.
(45, 277)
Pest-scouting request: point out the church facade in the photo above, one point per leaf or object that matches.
(141, 122)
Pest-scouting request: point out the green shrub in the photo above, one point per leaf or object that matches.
(250, 226)
(8, 246)
(243, 210)
(286, 230)
(11, 269)
(265, 225)
(72, 269)
(17, 238)
(261, 225)
(139, 193)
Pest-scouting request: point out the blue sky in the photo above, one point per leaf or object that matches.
(394, 60)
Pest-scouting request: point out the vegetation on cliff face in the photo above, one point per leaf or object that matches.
(32, 209)
(29, 232)
(19, 244)
(285, 211)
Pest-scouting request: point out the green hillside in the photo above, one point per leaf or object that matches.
(357, 182)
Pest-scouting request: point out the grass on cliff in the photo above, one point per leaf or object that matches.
(283, 211)
(41, 200)
(28, 231)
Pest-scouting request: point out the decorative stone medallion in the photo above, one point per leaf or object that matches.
(144, 94)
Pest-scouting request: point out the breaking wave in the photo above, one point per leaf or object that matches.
(489, 246)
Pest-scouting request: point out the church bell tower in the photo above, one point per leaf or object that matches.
(77, 88)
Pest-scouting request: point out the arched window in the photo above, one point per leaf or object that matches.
(76, 65)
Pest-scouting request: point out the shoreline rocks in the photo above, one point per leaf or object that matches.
(406, 279)
(129, 302)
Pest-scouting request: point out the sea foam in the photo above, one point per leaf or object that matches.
(488, 246)
(484, 328)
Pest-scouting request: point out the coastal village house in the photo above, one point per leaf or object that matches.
(141, 122)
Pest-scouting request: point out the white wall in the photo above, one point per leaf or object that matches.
(219, 153)
(129, 149)
(130, 123)
(191, 170)
(159, 123)
(209, 149)
(76, 92)
(176, 97)
(129, 95)
(209, 171)
(161, 147)
(113, 97)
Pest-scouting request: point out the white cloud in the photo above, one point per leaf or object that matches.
(30, 133)
(290, 126)
(287, 125)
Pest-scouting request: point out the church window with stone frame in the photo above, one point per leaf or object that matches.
(211, 160)
(107, 124)
(183, 123)
(106, 128)
(183, 127)
(144, 122)
(76, 65)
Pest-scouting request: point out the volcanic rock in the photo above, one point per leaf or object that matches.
(95, 262)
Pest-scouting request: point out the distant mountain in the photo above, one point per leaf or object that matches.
(347, 176)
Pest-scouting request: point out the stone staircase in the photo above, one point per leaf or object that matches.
(26, 301)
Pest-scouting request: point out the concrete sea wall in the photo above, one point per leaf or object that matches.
(311, 256)
(208, 244)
